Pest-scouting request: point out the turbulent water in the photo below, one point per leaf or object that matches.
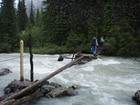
(104, 81)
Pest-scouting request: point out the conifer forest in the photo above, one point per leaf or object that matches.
(66, 26)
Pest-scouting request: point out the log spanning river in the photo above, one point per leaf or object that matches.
(104, 81)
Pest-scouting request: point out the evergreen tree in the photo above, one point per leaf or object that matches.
(32, 17)
(117, 21)
(22, 15)
(9, 33)
(56, 27)
(37, 18)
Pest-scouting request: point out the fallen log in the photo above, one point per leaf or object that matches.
(34, 87)
(23, 100)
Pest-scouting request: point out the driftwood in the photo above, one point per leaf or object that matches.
(23, 99)
(33, 88)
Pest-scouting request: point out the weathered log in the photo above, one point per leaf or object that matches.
(23, 100)
(33, 87)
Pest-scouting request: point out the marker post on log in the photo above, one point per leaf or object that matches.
(21, 61)
(31, 57)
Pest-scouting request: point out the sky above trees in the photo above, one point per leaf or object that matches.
(37, 3)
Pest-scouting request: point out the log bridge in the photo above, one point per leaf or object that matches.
(30, 91)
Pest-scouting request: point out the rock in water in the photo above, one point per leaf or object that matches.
(16, 85)
(4, 71)
(61, 91)
(60, 58)
(137, 97)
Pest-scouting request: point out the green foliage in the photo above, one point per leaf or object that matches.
(5, 48)
(70, 25)
(50, 49)
(110, 46)
(32, 17)
(22, 15)
(75, 41)
(9, 29)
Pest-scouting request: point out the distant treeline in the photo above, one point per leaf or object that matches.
(69, 25)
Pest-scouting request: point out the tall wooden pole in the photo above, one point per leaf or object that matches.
(31, 58)
(34, 86)
(21, 61)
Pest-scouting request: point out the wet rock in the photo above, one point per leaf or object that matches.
(53, 90)
(75, 86)
(61, 91)
(16, 85)
(47, 87)
(4, 71)
(137, 97)
(60, 58)
(56, 85)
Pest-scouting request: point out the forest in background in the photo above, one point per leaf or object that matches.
(63, 26)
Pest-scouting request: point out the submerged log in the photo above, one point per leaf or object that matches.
(33, 87)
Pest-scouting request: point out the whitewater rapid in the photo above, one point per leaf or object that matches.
(104, 81)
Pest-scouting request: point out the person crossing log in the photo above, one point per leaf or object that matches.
(33, 87)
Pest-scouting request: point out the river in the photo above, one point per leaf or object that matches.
(104, 81)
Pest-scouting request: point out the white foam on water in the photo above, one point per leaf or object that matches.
(106, 62)
(104, 81)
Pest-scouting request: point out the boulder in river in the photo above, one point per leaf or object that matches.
(4, 71)
(61, 91)
(51, 89)
(60, 58)
(137, 97)
(17, 85)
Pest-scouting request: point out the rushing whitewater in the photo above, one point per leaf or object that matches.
(104, 81)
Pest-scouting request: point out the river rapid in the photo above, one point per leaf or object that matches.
(104, 81)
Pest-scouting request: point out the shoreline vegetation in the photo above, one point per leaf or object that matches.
(67, 27)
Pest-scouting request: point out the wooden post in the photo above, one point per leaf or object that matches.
(21, 61)
(31, 58)
(33, 87)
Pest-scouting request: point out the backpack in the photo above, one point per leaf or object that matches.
(93, 42)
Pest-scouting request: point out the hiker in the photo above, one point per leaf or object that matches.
(94, 45)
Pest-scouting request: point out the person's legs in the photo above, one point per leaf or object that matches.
(94, 49)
